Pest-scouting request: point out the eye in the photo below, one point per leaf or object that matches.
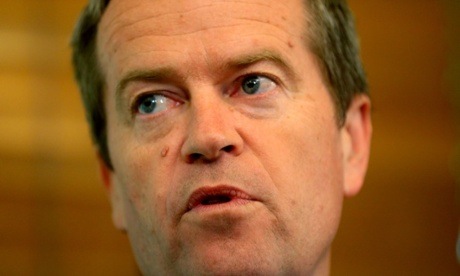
(153, 103)
(256, 84)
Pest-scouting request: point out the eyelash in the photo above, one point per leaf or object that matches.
(142, 96)
(240, 79)
(272, 77)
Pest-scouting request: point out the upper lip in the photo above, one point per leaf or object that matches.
(223, 192)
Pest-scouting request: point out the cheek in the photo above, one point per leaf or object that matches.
(301, 154)
(313, 183)
(307, 170)
(133, 167)
(313, 165)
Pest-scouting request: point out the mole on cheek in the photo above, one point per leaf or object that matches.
(165, 151)
(290, 44)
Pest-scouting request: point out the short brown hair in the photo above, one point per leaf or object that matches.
(331, 37)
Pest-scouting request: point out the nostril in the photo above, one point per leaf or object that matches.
(210, 156)
(228, 148)
(195, 156)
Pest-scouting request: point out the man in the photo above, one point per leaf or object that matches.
(228, 131)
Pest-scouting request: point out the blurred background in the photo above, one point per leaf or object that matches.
(54, 215)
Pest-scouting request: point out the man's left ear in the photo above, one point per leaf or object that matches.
(356, 139)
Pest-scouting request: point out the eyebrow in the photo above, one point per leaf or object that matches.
(264, 55)
(159, 74)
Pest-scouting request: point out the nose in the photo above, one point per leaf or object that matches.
(211, 132)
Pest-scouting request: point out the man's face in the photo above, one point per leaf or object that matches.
(226, 152)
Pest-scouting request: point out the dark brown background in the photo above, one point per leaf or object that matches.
(55, 219)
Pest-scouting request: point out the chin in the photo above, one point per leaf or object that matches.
(229, 258)
(230, 267)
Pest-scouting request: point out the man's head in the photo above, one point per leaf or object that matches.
(229, 131)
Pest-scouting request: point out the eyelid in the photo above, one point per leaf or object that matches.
(134, 105)
(269, 76)
(238, 82)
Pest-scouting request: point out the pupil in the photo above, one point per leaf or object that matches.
(251, 85)
(147, 105)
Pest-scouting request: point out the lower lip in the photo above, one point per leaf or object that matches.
(234, 204)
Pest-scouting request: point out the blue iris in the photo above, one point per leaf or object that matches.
(251, 84)
(147, 105)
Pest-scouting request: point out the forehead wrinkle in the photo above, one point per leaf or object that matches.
(115, 16)
(134, 38)
(111, 25)
(125, 17)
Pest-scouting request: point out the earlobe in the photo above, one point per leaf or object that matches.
(356, 138)
(113, 189)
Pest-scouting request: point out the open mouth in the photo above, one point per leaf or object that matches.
(217, 199)
(215, 195)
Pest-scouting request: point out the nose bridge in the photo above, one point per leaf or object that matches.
(208, 115)
(211, 128)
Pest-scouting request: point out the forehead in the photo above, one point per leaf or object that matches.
(128, 11)
(154, 33)
(124, 20)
